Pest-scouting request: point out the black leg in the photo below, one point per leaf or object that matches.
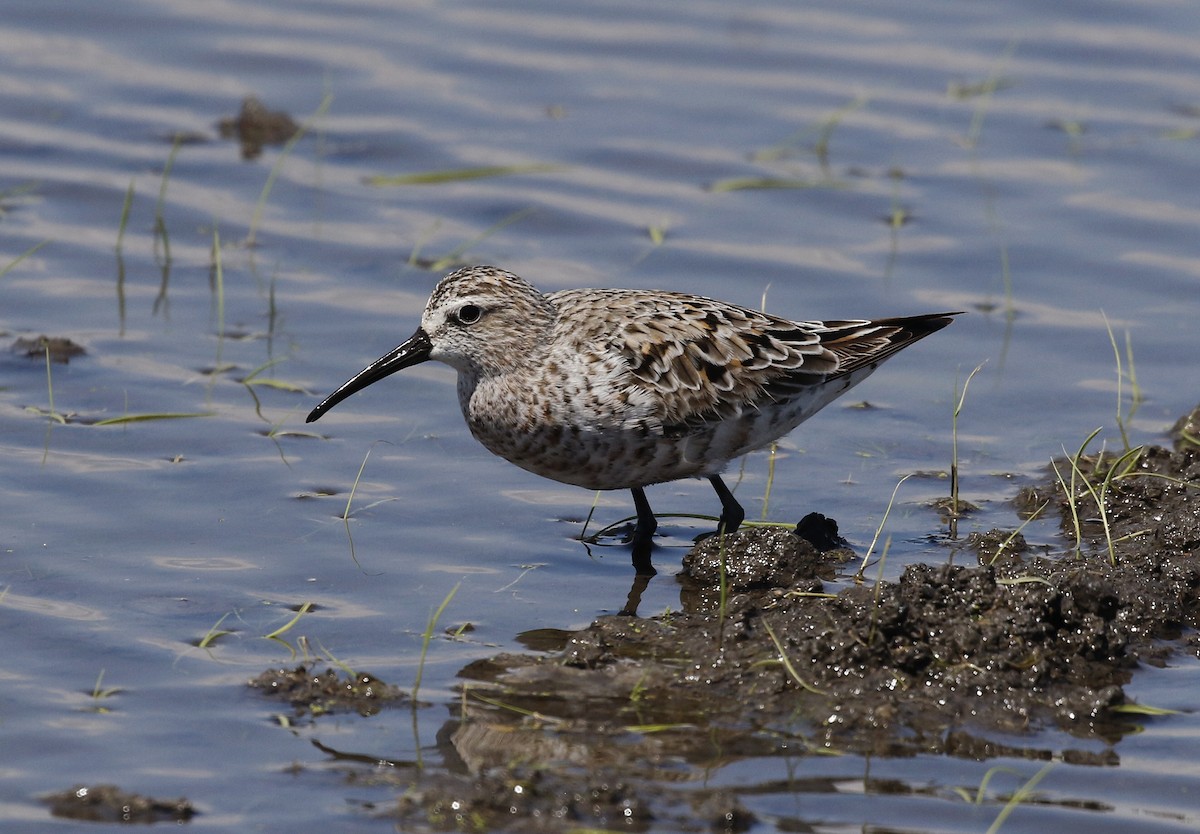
(643, 533)
(732, 514)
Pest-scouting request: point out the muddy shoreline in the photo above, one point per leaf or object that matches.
(616, 725)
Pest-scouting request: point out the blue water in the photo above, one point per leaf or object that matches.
(1056, 201)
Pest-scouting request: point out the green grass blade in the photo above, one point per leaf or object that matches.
(528, 713)
(125, 208)
(322, 108)
(214, 633)
(459, 174)
(354, 486)
(761, 183)
(954, 448)
(278, 384)
(1024, 580)
(427, 637)
(1019, 796)
(994, 82)
(787, 663)
(983, 784)
(4, 270)
(146, 418)
(283, 629)
(160, 223)
(219, 276)
(454, 254)
(1112, 339)
(879, 530)
(823, 129)
(50, 386)
(1143, 709)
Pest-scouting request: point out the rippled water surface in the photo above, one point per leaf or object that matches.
(1031, 163)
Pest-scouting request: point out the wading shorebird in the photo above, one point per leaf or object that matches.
(621, 389)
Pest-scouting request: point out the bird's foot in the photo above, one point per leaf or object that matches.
(730, 522)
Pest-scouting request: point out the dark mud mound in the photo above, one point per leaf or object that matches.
(948, 659)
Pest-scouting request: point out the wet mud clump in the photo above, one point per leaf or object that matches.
(311, 693)
(60, 349)
(255, 126)
(108, 803)
(764, 558)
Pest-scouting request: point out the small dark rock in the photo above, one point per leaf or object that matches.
(821, 532)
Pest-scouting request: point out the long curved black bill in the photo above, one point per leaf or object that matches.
(412, 352)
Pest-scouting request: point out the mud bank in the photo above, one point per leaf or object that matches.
(975, 657)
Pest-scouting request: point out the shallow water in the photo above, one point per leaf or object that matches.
(1043, 202)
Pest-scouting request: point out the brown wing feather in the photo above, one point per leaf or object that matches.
(707, 360)
(860, 343)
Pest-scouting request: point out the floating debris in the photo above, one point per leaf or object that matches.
(255, 126)
(61, 348)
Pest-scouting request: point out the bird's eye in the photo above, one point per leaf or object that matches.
(469, 313)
